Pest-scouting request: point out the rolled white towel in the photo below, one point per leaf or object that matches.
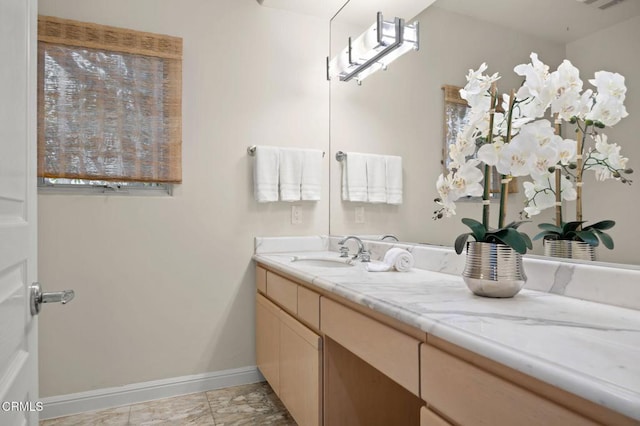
(400, 259)
(396, 258)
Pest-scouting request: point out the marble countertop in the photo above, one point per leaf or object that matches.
(586, 348)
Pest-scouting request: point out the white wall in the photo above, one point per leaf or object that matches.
(615, 49)
(165, 286)
(400, 112)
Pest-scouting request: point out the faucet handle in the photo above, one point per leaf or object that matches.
(344, 251)
(365, 256)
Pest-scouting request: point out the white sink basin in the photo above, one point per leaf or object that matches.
(324, 262)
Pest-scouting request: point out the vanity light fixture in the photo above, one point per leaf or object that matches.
(375, 49)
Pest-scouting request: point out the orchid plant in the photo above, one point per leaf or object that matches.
(521, 142)
(569, 159)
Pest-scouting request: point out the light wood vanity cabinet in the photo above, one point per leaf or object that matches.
(336, 363)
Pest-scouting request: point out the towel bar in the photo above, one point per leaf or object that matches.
(251, 150)
(341, 155)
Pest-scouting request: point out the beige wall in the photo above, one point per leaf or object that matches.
(615, 49)
(165, 286)
(400, 112)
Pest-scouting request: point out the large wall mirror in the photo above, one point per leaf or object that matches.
(400, 111)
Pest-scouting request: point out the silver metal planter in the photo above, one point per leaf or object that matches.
(568, 249)
(493, 270)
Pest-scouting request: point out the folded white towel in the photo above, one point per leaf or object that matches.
(290, 174)
(311, 185)
(394, 179)
(399, 258)
(354, 177)
(395, 258)
(376, 178)
(265, 174)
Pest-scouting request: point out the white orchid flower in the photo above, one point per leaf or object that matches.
(610, 85)
(475, 92)
(605, 159)
(567, 151)
(538, 87)
(608, 111)
(490, 153)
(541, 160)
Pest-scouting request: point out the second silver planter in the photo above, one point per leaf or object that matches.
(569, 249)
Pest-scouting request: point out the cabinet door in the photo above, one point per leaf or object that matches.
(268, 341)
(300, 371)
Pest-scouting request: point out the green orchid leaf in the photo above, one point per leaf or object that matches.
(606, 239)
(602, 225)
(477, 228)
(553, 235)
(527, 240)
(588, 237)
(550, 227)
(516, 224)
(512, 238)
(461, 241)
(571, 226)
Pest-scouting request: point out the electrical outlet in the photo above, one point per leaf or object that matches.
(296, 215)
(360, 214)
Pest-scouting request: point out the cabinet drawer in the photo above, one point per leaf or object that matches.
(429, 418)
(471, 396)
(283, 292)
(261, 279)
(391, 352)
(309, 307)
(300, 371)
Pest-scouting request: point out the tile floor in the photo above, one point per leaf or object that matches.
(250, 405)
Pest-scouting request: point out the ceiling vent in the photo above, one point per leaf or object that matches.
(601, 4)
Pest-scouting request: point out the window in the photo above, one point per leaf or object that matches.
(455, 118)
(109, 106)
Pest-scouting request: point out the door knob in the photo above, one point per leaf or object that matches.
(38, 297)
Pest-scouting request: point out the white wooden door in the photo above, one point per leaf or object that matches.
(18, 328)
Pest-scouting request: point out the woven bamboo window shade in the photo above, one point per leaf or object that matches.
(455, 118)
(109, 103)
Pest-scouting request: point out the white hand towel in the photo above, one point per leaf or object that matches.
(377, 266)
(400, 259)
(376, 178)
(394, 179)
(290, 174)
(354, 177)
(395, 258)
(311, 186)
(265, 174)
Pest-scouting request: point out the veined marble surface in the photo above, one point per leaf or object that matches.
(586, 348)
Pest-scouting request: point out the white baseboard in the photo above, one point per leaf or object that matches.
(64, 405)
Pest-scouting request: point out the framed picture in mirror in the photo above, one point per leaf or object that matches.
(456, 117)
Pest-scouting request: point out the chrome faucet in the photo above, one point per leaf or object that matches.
(390, 236)
(363, 254)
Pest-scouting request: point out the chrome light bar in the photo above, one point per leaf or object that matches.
(375, 49)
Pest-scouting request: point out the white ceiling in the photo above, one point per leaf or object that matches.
(561, 21)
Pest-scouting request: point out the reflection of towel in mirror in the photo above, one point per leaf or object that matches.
(395, 258)
(394, 179)
(354, 177)
(376, 178)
